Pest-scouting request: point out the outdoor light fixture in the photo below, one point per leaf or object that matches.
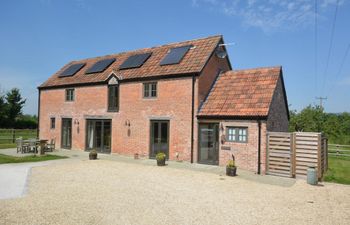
(76, 122)
(127, 123)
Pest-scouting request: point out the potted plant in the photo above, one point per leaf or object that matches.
(160, 157)
(231, 168)
(93, 155)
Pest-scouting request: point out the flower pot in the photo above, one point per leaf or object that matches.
(161, 162)
(93, 155)
(136, 156)
(231, 171)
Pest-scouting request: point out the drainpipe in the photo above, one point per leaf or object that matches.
(192, 119)
(259, 146)
(37, 131)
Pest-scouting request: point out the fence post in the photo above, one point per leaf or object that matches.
(293, 158)
(326, 154)
(13, 135)
(267, 152)
(319, 148)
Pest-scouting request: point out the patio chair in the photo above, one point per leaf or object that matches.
(51, 146)
(33, 146)
(21, 146)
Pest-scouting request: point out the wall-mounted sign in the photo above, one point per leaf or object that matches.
(226, 148)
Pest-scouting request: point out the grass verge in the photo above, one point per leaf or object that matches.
(33, 158)
(4, 146)
(338, 170)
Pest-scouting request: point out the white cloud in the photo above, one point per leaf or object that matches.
(270, 14)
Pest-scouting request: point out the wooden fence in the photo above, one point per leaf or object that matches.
(8, 136)
(339, 150)
(290, 154)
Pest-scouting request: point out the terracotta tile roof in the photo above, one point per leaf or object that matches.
(193, 62)
(242, 93)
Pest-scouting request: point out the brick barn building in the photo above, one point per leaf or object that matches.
(183, 99)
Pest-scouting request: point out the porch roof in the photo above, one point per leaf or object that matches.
(242, 93)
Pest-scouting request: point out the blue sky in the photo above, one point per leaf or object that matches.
(37, 37)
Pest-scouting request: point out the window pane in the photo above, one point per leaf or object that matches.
(52, 123)
(164, 133)
(116, 97)
(113, 97)
(146, 90)
(69, 94)
(154, 89)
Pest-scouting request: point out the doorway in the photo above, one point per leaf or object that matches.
(66, 133)
(98, 135)
(159, 137)
(208, 143)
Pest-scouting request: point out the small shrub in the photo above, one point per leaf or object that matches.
(160, 156)
(231, 164)
(231, 168)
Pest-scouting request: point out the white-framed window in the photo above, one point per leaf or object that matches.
(70, 95)
(150, 90)
(237, 134)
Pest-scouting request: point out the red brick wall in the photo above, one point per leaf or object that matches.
(173, 103)
(246, 154)
(209, 75)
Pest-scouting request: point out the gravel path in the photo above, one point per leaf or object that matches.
(107, 192)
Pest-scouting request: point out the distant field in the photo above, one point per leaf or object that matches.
(6, 136)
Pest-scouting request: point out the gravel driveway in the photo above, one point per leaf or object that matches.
(108, 192)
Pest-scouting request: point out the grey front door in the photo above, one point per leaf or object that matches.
(66, 137)
(208, 152)
(159, 137)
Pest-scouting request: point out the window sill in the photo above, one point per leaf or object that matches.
(149, 98)
(112, 110)
(237, 142)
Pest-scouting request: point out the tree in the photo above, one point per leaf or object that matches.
(3, 109)
(336, 126)
(15, 103)
(310, 119)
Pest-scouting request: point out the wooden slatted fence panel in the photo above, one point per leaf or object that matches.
(291, 154)
(279, 154)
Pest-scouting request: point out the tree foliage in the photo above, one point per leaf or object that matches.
(11, 116)
(336, 126)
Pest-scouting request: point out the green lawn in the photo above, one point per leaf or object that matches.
(12, 159)
(3, 146)
(338, 170)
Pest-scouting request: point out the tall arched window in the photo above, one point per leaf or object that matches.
(113, 95)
